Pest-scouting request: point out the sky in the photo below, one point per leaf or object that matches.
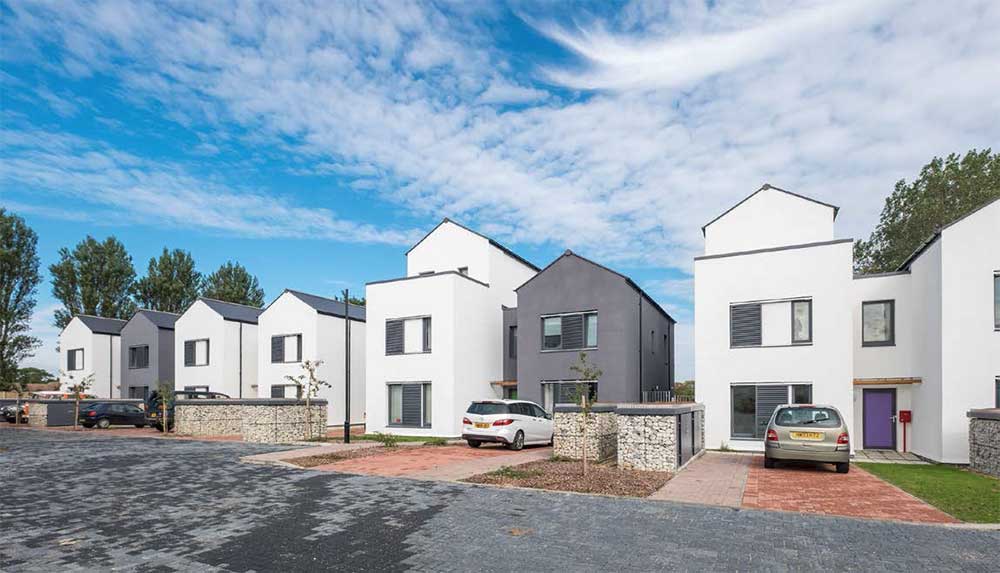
(313, 142)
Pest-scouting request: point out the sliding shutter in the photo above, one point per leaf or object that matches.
(277, 349)
(768, 399)
(411, 404)
(145, 357)
(744, 325)
(188, 353)
(394, 337)
(277, 391)
(572, 331)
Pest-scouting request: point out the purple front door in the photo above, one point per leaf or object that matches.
(880, 426)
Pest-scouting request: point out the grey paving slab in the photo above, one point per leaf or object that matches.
(74, 503)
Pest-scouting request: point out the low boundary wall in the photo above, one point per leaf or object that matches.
(43, 413)
(260, 420)
(984, 440)
(602, 432)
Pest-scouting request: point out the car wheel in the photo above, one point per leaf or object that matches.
(87, 425)
(552, 440)
(843, 468)
(768, 463)
(518, 442)
(104, 423)
(159, 427)
(140, 425)
(474, 443)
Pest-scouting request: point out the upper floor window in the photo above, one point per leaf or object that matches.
(770, 323)
(571, 331)
(138, 357)
(74, 359)
(878, 326)
(996, 300)
(196, 352)
(512, 342)
(286, 348)
(408, 335)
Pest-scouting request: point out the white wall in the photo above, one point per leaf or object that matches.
(900, 360)
(101, 357)
(822, 273)
(769, 218)
(449, 247)
(201, 322)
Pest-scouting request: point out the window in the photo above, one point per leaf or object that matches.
(996, 301)
(138, 357)
(74, 359)
(196, 352)
(285, 391)
(996, 389)
(196, 388)
(878, 323)
(488, 408)
(408, 335)
(753, 404)
(463, 271)
(652, 341)
(801, 321)
(510, 393)
(537, 412)
(512, 342)
(771, 323)
(141, 392)
(286, 348)
(565, 393)
(571, 331)
(814, 416)
(410, 405)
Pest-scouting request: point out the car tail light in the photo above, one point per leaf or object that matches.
(504, 422)
(842, 438)
(466, 421)
(91, 413)
(772, 436)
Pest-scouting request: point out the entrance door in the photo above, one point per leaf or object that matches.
(880, 418)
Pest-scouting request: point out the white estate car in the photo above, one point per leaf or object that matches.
(511, 422)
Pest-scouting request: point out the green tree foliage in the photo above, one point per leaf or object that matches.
(232, 283)
(352, 300)
(94, 278)
(171, 283)
(946, 190)
(19, 280)
(35, 376)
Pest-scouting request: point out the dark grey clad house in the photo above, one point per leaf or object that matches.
(576, 305)
(147, 352)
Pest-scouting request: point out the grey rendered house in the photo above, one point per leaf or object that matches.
(575, 305)
(147, 355)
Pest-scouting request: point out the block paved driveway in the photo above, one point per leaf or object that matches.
(452, 462)
(86, 502)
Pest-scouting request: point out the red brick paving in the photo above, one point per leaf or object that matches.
(716, 478)
(818, 488)
(410, 461)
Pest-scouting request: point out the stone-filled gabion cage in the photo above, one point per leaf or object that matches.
(984, 440)
(261, 420)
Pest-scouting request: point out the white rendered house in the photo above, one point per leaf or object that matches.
(434, 337)
(91, 345)
(297, 327)
(780, 318)
(215, 348)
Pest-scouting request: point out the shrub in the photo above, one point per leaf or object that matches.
(436, 441)
(387, 440)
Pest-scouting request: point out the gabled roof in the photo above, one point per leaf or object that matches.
(765, 187)
(328, 306)
(159, 318)
(905, 266)
(627, 280)
(504, 249)
(101, 325)
(232, 311)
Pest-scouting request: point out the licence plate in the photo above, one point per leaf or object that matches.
(815, 436)
(152, 415)
(482, 425)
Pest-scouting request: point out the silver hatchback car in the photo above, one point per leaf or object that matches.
(808, 432)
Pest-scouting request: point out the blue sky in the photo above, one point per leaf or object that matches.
(314, 141)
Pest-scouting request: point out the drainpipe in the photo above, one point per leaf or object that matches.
(241, 360)
(640, 347)
(347, 368)
(111, 367)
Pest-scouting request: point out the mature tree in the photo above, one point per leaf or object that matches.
(33, 375)
(232, 283)
(94, 278)
(171, 284)
(946, 190)
(19, 280)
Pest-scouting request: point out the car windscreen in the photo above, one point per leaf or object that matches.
(488, 408)
(816, 417)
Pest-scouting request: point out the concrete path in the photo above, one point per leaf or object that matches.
(279, 458)
(716, 478)
(887, 457)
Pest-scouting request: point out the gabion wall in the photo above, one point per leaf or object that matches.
(602, 433)
(267, 421)
(984, 441)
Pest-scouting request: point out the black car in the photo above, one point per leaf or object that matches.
(9, 413)
(154, 405)
(106, 414)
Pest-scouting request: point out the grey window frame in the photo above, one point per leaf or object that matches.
(583, 314)
(423, 414)
(133, 365)
(194, 355)
(996, 391)
(760, 324)
(426, 328)
(512, 341)
(996, 297)
(426, 331)
(892, 324)
(809, 302)
(76, 367)
(284, 356)
(789, 399)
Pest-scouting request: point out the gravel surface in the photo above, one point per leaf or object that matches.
(568, 476)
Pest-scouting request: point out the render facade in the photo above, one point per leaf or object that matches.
(433, 340)
(147, 352)
(298, 327)
(91, 345)
(576, 306)
(781, 318)
(215, 348)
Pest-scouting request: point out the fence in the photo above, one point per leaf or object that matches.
(667, 396)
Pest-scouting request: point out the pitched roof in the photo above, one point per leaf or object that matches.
(627, 280)
(504, 249)
(233, 311)
(905, 266)
(158, 317)
(101, 325)
(765, 187)
(328, 306)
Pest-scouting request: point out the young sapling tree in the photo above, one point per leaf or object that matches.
(586, 373)
(308, 385)
(79, 390)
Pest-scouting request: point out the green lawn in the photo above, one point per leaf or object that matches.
(964, 494)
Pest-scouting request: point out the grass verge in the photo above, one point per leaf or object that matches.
(964, 494)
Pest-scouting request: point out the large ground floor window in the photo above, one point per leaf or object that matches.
(286, 391)
(410, 404)
(753, 404)
(565, 392)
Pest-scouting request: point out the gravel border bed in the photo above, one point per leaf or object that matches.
(605, 479)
